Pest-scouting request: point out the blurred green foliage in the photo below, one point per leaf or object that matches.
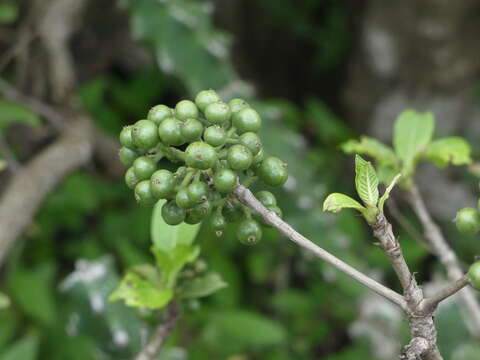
(280, 302)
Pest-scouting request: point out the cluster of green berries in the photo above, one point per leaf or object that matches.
(214, 146)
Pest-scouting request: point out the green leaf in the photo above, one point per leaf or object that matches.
(451, 150)
(387, 192)
(8, 12)
(24, 349)
(167, 237)
(4, 301)
(172, 261)
(202, 286)
(11, 113)
(381, 153)
(137, 291)
(336, 202)
(243, 330)
(366, 181)
(412, 133)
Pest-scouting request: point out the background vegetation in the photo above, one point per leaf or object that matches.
(320, 72)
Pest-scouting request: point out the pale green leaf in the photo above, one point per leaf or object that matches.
(387, 192)
(172, 261)
(8, 12)
(412, 133)
(137, 291)
(167, 237)
(451, 150)
(202, 286)
(336, 202)
(373, 148)
(24, 349)
(4, 301)
(366, 182)
(11, 113)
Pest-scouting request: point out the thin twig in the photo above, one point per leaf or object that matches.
(433, 301)
(446, 256)
(151, 350)
(247, 198)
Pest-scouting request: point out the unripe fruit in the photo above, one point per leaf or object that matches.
(237, 104)
(217, 113)
(468, 221)
(273, 171)
(172, 214)
(200, 155)
(158, 113)
(474, 275)
(126, 137)
(225, 180)
(186, 109)
(198, 191)
(215, 136)
(162, 183)
(266, 198)
(131, 179)
(247, 120)
(183, 200)
(145, 134)
(144, 167)
(218, 222)
(127, 156)
(191, 130)
(197, 213)
(239, 157)
(143, 193)
(232, 213)
(205, 98)
(249, 232)
(170, 133)
(259, 157)
(251, 141)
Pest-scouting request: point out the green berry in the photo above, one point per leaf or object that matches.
(144, 167)
(197, 213)
(474, 275)
(217, 113)
(225, 180)
(143, 193)
(170, 132)
(205, 98)
(239, 157)
(249, 232)
(127, 156)
(200, 155)
(247, 120)
(162, 183)
(173, 214)
(145, 134)
(198, 191)
(131, 179)
(251, 141)
(276, 210)
(259, 157)
(218, 222)
(237, 104)
(191, 130)
(273, 171)
(186, 109)
(215, 136)
(183, 200)
(232, 212)
(126, 137)
(158, 113)
(468, 221)
(266, 198)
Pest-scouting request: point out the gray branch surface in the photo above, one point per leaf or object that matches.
(33, 182)
(151, 350)
(442, 250)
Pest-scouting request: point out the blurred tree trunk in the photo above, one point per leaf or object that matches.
(420, 54)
